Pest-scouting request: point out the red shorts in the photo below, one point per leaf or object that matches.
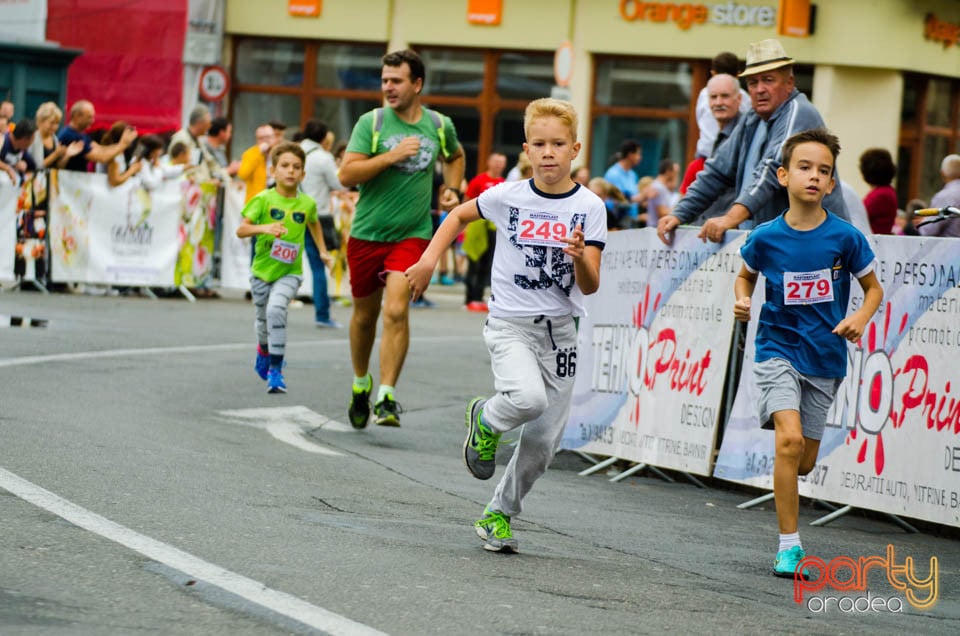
(370, 261)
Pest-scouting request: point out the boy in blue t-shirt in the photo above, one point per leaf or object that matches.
(807, 257)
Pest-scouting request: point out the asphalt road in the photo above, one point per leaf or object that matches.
(149, 485)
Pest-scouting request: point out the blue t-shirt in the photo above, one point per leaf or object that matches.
(78, 162)
(626, 181)
(11, 156)
(808, 287)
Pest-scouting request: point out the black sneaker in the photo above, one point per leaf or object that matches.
(359, 411)
(387, 412)
(480, 447)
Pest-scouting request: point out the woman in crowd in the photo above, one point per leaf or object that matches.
(878, 170)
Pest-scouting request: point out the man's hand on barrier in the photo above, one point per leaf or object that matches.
(665, 227)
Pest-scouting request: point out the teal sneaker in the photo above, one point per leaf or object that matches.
(480, 447)
(494, 529)
(785, 565)
(359, 411)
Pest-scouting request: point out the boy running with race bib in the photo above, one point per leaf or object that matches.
(550, 233)
(278, 219)
(807, 257)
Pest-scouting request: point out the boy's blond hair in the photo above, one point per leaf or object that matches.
(549, 107)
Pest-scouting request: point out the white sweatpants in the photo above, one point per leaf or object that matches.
(534, 363)
(270, 300)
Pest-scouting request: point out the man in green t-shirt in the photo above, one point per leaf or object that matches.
(391, 156)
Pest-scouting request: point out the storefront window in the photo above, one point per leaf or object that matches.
(254, 109)
(926, 140)
(660, 139)
(270, 62)
(349, 66)
(644, 84)
(524, 76)
(453, 72)
(938, 102)
(340, 115)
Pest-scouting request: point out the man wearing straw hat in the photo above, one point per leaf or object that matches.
(749, 159)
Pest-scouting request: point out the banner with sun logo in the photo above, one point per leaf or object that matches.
(892, 442)
(653, 350)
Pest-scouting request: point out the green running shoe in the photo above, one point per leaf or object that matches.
(359, 411)
(494, 529)
(480, 447)
(787, 561)
(387, 412)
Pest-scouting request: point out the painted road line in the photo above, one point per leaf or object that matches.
(153, 351)
(288, 424)
(253, 591)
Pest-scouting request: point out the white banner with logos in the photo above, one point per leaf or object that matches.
(653, 350)
(892, 442)
(118, 236)
(8, 227)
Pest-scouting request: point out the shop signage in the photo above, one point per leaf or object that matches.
(304, 8)
(936, 30)
(684, 15)
(487, 12)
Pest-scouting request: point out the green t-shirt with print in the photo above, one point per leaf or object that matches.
(395, 204)
(274, 258)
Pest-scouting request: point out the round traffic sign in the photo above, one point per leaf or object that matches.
(214, 83)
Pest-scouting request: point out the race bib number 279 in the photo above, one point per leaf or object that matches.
(807, 288)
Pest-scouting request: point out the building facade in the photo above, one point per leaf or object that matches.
(884, 73)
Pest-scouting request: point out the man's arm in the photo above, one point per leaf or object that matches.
(106, 154)
(358, 167)
(453, 169)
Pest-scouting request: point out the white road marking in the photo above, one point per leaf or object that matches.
(253, 591)
(288, 424)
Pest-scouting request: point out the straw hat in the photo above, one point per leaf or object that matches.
(765, 55)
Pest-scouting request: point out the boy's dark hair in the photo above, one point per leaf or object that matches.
(877, 167)
(725, 62)
(814, 135)
(285, 147)
(315, 130)
(397, 58)
(24, 129)
(177, 149)
(217, 126)
(665, 166)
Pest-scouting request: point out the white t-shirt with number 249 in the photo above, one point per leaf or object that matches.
(531, 274)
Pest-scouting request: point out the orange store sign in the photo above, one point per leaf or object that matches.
(304, 8)
(488, 12)
(685, 15)
(936, 30)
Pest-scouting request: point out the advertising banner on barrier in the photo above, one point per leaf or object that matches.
(892, 442)
(234, 252)
(8, 227)
(653, 350)
(198, 215)
(122, 235)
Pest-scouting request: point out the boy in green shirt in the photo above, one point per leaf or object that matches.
(278, 218)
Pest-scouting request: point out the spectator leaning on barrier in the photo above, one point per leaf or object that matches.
(725, 99)
(725, 63)
(948, 195)
(198, 124)
(6, 116)
(46, 149)
(117, 170)
(749, 160)
(82, 115)
(15, 159)
(215, 143)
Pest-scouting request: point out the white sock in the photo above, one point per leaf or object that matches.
(383, 392)
(787, 541)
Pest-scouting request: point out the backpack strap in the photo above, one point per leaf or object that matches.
(432, 114)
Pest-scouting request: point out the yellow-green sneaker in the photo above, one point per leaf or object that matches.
(359, 411)
(494, 529)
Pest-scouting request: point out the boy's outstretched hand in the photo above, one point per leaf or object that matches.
(575, 243)
(418, 277)
(741, 309)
